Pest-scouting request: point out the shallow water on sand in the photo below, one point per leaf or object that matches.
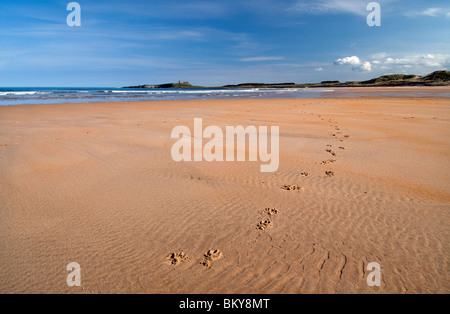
(35, 96)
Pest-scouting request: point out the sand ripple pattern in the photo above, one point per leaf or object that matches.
(96, 185)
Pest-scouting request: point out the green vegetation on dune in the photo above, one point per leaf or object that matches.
(389, 78)
(440, 76)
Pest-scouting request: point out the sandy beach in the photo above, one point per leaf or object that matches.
(95, 184)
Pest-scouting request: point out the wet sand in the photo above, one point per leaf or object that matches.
(360, 181)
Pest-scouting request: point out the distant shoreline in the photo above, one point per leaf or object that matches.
(438, 78)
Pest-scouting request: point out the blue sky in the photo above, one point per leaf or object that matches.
(209, 42)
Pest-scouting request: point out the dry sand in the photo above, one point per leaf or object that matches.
(95, 184)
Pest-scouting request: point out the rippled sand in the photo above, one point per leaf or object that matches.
(95, 184)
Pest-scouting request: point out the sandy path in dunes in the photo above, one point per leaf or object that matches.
(95, 184)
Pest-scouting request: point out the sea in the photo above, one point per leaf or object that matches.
(57, 95)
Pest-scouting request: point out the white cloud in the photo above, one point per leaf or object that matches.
(319, 69)
(260, 59)
(366, 67)
(184, 34)
(431, 12)
(357, 7)
(349, 60)
(356, 63)
(427, 60)
(380, 55)
(413, 64)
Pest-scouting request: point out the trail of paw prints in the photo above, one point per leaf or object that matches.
(293, 187)
(332, 152)
(210, 257)
(329, 161)
(176, 259)
(267, 222)
(329, 174)
(271, 212)
(329, 149)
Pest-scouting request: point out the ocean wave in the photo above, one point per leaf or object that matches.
(61, 95)
(23, 93)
